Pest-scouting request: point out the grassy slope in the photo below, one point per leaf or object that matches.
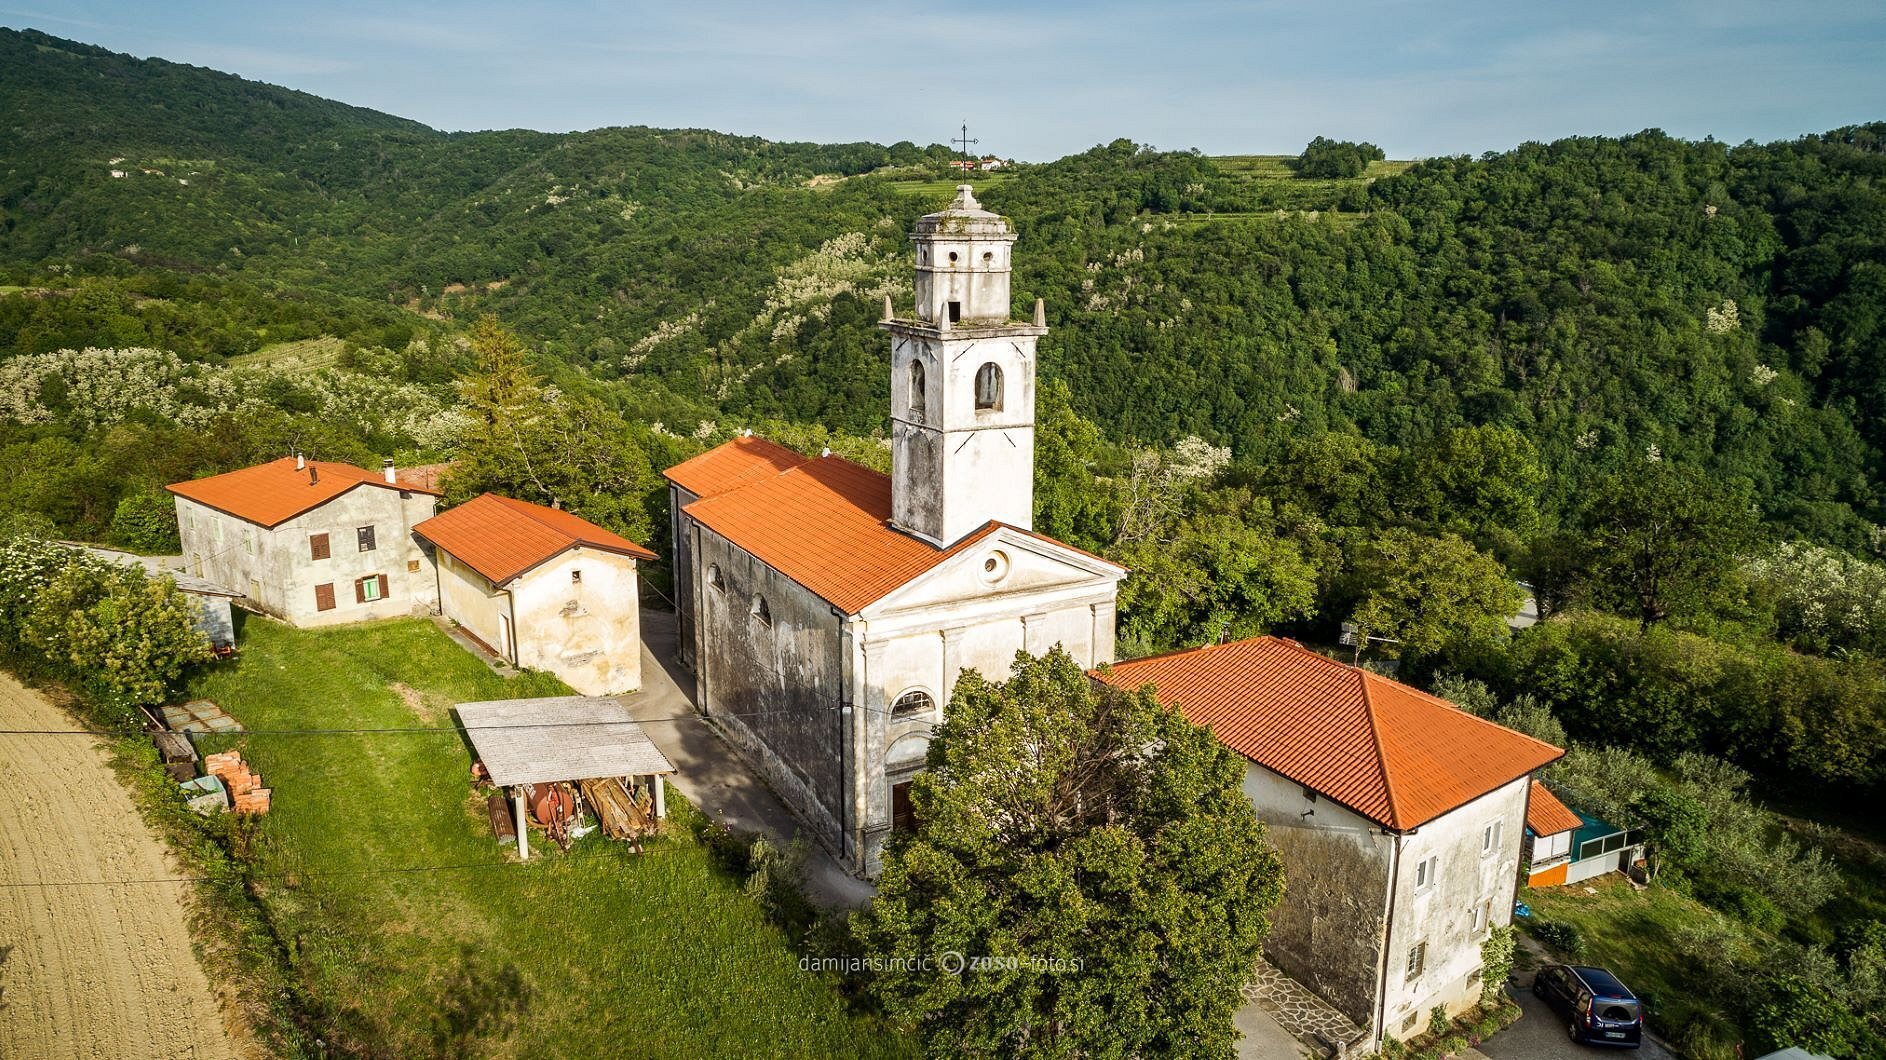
(1634, 934)
(659, 955)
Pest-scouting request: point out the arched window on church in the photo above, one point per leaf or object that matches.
(761, 611)
(917, 401)
(914, 703)
(989, 387)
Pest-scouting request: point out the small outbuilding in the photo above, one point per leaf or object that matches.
(213, 603)
(525, 744)
(542, 588)
(1564, 846)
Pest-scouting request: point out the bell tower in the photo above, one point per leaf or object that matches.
(962, 382)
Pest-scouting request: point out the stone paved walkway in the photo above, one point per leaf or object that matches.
(1310, 1018)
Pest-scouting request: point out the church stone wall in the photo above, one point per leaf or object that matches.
(776, 689)
(682, 543)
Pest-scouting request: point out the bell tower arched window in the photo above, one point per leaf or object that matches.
(989, 387)
(917, 397)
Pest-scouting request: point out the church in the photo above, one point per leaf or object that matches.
(826, 609)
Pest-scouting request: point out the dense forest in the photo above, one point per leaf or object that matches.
(1645, 375)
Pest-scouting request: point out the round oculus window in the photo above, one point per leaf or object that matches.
(995, 566)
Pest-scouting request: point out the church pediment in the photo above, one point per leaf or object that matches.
(1006, 562)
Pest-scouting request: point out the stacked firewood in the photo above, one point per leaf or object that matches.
(246, 793)
(621, 813)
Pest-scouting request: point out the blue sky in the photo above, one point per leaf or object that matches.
(1037, 80)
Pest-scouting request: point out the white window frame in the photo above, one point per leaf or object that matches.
(1425, 873)
(1490, 837)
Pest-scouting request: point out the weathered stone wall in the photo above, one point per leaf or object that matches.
(682, 543)
(777, 689)
(275, 567)
(1443, 914)
(1327, 931)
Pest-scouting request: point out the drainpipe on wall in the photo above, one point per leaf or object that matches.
(845, 721)
(511, 598)
(1388, 941)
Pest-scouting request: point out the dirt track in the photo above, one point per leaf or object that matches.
(98, 969)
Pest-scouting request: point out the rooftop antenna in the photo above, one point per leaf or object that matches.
(964, 141)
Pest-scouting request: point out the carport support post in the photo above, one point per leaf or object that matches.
(661, 809)
(523, 844)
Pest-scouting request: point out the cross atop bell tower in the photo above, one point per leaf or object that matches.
(962, 382)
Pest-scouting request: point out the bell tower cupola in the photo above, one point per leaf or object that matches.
(962, 382)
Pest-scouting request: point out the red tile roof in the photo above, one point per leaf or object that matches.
(501, 538)
(733, 464)
(1546, 815)
(273, 493)
(423, 477)
(1394, 754)
(825, 522)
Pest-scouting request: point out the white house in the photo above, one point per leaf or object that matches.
(827, 609)
(1397, 815)
(310, 541)
(542, 588)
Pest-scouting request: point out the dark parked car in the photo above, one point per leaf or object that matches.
(1597, 1008)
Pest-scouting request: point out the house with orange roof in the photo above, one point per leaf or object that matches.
(827, 609)
(313, 542)
(1564, 846)
(1399, 818)
(541, 588)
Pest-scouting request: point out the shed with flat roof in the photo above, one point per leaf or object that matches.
(525, 742)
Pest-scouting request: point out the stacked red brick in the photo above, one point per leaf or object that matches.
(246, 793)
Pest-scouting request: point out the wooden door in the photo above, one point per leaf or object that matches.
(903, 817)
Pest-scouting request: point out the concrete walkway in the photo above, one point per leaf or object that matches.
(711, 773)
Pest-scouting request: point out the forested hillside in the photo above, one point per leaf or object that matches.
(1646, 375)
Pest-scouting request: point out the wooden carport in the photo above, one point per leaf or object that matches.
(560, 739)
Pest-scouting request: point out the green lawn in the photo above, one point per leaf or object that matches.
(417, 935)
(1635, 934)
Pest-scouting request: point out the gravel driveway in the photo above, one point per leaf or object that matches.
(1540, 1035)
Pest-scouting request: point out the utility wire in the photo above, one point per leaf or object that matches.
(246, 877)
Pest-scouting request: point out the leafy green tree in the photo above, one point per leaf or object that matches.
(1227, 572)
(1071, 503)
(1479, 482)
(1063, 821)
(539, 444)
(1336, 476)
(146, 521)
(1675, 823)
(1324, 158)
(1665, 540)
(1429, 592)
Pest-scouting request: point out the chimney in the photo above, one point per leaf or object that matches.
(556, 503)
(301, 462)
(1041, 313)
(386, 469)
(314, 476)
(827, 451)
(888, 313)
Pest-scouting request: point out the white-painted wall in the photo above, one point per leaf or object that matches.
(276, 570)
(1443, 914)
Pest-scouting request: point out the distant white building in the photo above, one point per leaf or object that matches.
(1398, 816)
(310, 541)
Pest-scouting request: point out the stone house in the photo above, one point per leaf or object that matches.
(827, 609)
(542, 588)
(310, 541)
(1398, 816)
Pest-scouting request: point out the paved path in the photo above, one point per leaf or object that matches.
(93, 967)
(712, 774)
(1298, 1016)
(1540, 1034)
